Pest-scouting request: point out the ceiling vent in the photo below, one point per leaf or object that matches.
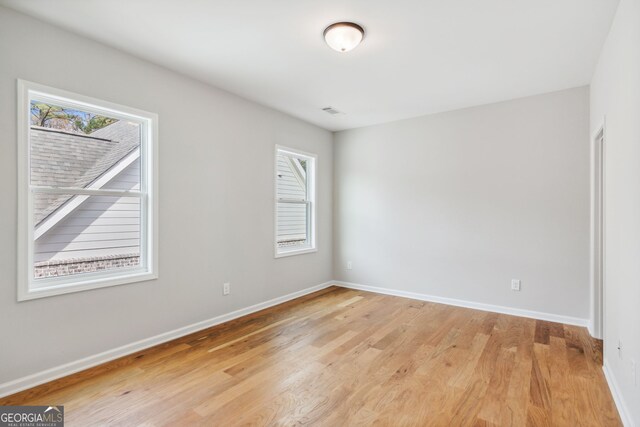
(331, 111)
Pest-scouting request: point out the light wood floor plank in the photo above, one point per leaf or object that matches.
(348, 357)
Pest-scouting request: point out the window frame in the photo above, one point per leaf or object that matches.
(28, 289)
(312, 167)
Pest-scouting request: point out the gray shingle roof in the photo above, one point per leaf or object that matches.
(66, 159)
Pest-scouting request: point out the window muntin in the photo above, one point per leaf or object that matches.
(87, 207)
(295, 204)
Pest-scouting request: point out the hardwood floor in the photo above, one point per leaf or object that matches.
(343, 357)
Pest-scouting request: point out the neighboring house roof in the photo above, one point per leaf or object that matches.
(67, 159)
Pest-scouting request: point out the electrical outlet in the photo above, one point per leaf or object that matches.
(515, 284)
(349, 265)
(226, 289)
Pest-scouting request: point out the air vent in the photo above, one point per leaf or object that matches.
(331, 111)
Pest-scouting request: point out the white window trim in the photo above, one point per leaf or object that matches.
(311, 197)
(148, 269)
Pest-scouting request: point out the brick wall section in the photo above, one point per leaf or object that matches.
(84, 265)
(286, 243)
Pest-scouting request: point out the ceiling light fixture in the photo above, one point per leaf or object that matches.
(343, 36)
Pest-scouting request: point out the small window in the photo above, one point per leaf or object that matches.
(87, 193)
(295, 202)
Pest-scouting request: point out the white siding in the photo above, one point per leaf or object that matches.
(290, 184)
(100, 226)
(292, 217)
(292, 222)
(128, 179)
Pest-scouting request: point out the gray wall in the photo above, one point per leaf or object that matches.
(216, 202)
(457, 204)
(615, 94)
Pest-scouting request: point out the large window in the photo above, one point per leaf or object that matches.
(87, 196)
(295, 202)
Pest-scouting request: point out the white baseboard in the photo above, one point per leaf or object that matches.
(617, 396)
(470, 304)
(38, 378)
(592, 330)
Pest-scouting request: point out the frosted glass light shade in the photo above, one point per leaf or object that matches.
(343, 36)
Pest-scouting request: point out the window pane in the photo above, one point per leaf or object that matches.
(291, 178)
(292, 224)
(74, 148)
(86, 234)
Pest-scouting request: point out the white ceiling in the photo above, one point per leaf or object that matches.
(418, 56)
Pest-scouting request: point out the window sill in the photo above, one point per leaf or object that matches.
(293, 252)
(56, 287)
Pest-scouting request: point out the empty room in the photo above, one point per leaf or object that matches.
(337, 213)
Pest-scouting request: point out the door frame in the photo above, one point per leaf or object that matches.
(597, 232)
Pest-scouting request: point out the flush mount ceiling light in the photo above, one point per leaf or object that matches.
(343, 36)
